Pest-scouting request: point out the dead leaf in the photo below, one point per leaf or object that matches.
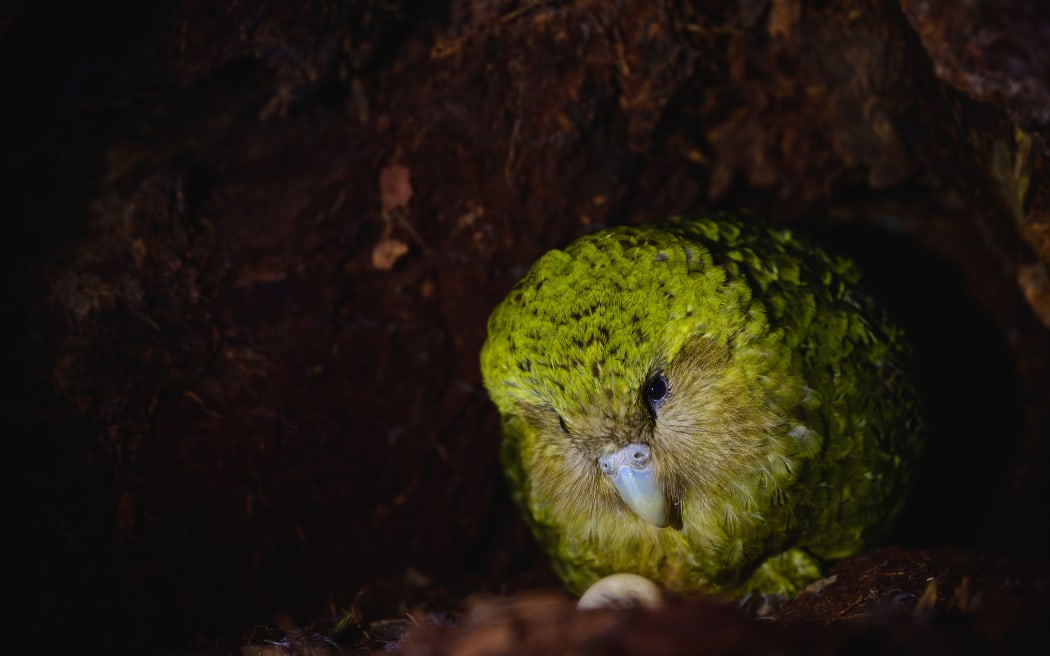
(387, 252)
(395, 188)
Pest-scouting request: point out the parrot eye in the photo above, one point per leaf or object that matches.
(656, 390)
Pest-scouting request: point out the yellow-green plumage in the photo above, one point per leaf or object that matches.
(785, 434)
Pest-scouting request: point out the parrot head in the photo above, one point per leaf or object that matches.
(618, 362)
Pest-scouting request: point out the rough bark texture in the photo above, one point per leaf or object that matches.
(252, 249)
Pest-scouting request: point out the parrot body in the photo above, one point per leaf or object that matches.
(708, 403)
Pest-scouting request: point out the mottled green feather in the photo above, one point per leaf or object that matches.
(788, 432)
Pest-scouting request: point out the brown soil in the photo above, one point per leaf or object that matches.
(253, 245)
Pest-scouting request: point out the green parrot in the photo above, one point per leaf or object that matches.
(708, 403)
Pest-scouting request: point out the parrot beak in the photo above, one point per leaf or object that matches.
(631, 471)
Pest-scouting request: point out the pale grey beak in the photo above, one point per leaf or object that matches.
(631, 471)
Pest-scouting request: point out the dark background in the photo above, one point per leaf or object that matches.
(228, 409)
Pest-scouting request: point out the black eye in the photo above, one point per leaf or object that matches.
(561, 421)
(656, 390)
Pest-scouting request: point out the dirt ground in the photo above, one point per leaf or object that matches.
(252, 246)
